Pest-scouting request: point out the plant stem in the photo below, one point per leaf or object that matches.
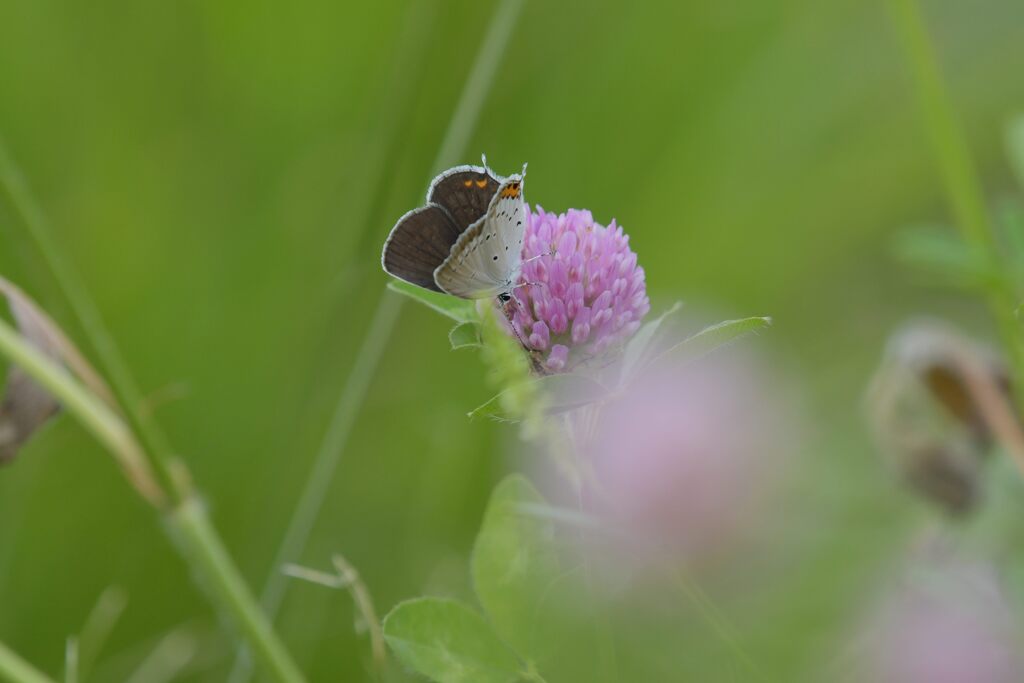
(16, 670)
(199, 542)
(93, 413)
(326, 462)
(155, 445)
(959, 176)
(715, 619)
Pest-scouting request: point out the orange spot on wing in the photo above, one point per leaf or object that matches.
(468, 183)
(481, 183)
(510, 191)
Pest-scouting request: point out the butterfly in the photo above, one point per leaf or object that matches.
(468, 239)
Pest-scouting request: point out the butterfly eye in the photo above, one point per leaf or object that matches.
(504, 297)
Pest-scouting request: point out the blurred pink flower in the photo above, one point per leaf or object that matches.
(585, 292)
(685, 456)
(952, 628)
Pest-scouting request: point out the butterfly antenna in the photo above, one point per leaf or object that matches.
(527, 284)
(524, 170)
(483, 158)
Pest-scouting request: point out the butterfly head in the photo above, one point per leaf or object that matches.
(512, 189)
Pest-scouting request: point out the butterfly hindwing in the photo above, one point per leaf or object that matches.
(420, 241)
(465, 192)
(485, 260)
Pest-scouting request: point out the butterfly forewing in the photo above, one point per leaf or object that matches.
(485, 260)
(420, 242)
(465, 192)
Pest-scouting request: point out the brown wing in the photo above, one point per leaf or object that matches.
(465, 192)
(418, 244)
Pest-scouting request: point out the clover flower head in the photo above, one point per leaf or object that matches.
(581, 289)
(952, 625)
(688, 457)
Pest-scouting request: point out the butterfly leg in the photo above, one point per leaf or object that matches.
(507, 305)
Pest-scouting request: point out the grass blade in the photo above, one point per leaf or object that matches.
(16, 670)
(462, 123)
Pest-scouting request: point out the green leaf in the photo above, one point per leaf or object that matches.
(563, 393)
(459, 310)
(493, 408)
(642, 346)
(515, 566)
(464, 336)
(447, 641)
(713, 337)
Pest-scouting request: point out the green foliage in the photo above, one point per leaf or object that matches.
(459, 310)
(561, 393)
(644, 344)
(515, 566)
(223, 178)
(516, 571)
(449, 642)
(707, 340)
(508, 367)
(464, 336)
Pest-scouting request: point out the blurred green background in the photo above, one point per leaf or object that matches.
(224, 173)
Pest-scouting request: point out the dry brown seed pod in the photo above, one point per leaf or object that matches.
(26, 406)
(937, 405)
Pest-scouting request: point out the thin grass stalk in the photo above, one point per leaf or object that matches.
(167, 660)
(71, 671)
(713, 617)
(346, 577)
(959, 175)
(166, 466)
(94, 414)
(460, 127)
(326, 462)
(324, 465)
(198, 539)
(98, 626)
(199, 543)
(14, 669)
